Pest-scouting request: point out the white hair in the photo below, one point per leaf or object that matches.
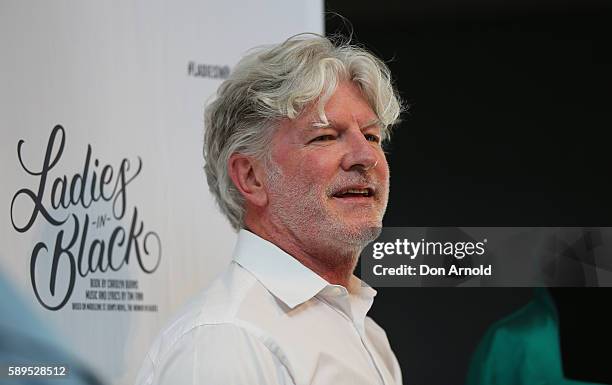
(275, 82)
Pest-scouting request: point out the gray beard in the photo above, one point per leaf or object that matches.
(301, 212)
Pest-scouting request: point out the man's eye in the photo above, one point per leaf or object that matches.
(323, 138)
(372, 138)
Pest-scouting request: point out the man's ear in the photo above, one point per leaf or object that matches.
(247, 175)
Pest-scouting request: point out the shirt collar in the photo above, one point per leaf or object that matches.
(284, 276)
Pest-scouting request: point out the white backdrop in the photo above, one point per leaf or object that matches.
(106, 99)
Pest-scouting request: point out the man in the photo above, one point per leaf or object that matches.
(294, 158)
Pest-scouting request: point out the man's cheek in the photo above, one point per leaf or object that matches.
(309, 176)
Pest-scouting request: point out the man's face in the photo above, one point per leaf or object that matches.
(328, 186)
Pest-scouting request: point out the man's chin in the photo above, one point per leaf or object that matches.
(358, 235)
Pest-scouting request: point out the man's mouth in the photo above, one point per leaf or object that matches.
(354, 193)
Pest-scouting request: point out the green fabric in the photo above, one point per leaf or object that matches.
(522, 349)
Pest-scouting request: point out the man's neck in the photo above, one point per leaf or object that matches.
(333, 266)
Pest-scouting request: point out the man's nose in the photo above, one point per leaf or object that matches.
(361, 153)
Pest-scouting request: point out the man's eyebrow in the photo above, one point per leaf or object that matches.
(330, 124)
(314, 125)
(373, 122)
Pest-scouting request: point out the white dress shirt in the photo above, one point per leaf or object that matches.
(270, 320)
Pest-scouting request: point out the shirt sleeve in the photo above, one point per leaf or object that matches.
(220, 354)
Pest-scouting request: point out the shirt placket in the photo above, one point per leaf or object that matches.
(338, 299)
(359, 324)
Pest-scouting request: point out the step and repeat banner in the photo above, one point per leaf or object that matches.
(106, 223)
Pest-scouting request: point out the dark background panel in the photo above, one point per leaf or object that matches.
(507, 125)
(433, 331)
